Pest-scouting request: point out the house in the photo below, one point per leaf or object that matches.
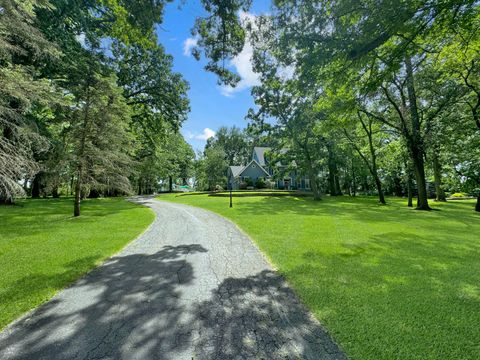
(261, 168)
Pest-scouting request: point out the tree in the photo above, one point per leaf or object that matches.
(329, 41)
(367, 148)
(98, 128)
(22, 46)
(215, 168)
(234, 143)
(156, 94)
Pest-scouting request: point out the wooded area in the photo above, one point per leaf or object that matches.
(363, 94)
(90, 105)
(377, 97)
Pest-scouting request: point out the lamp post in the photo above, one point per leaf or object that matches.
(230, 188)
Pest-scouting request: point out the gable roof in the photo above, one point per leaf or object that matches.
(250, 163)
(260, 153)
(236, 170)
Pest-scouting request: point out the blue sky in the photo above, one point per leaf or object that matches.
(211, 105)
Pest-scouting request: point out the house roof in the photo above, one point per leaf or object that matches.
(236, 170)
(260, 152)
(250, 163)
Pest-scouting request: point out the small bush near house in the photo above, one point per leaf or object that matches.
(260, 184)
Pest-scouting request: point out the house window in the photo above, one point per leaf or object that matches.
(254, 166)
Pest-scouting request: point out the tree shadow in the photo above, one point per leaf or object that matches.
(259, 317)
(131, 302)
(396, 285)
(140, 306)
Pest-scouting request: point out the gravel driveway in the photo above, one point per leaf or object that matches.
(191, 287)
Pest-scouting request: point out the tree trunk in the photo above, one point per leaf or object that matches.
(419, 170)
(414, 140)
(313, 184)
(333, 182)
(78, 187)
(410, 189)
(381, 196)
(338, 190)
(354, 180)
(437, 174)
(477, 207)
(170, 184)
(55, 193)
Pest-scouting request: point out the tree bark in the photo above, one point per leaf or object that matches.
(78, 187)
(414, 140)
(313, 184)
(409, 185)
(477, 206)
(170, 184)
(437, 174)
(419, 171)
(333, 182)
(338, 189)
(354, 181)
(381, 196)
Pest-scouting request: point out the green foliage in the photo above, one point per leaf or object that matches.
(234, 142)
(459, 195)
(221, 35)
(380, 278)
(404, 75)
(212, 169)
(248, 182)
(260, 184)
(89, 98)
(21, 90)
(43, 249)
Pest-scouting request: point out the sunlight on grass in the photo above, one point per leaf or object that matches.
(388, 282)
(43, 248)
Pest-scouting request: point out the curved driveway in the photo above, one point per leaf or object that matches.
(191, 287)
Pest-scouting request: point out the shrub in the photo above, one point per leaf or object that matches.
(260, 184)
(459, 194)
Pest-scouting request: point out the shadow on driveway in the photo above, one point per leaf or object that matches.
(137, 307)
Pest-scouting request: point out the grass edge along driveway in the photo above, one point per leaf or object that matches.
(388, 282)
(43, 248)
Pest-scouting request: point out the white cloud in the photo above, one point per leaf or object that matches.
(188, 44)
(242, 63)
(206, 134)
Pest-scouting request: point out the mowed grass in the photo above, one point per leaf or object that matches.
(388, 282)
(43, 248)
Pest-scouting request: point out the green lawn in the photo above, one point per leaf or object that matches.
(388, 282)
(43, 248)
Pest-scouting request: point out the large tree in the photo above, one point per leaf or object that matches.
(234, 142)
(22, 48)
